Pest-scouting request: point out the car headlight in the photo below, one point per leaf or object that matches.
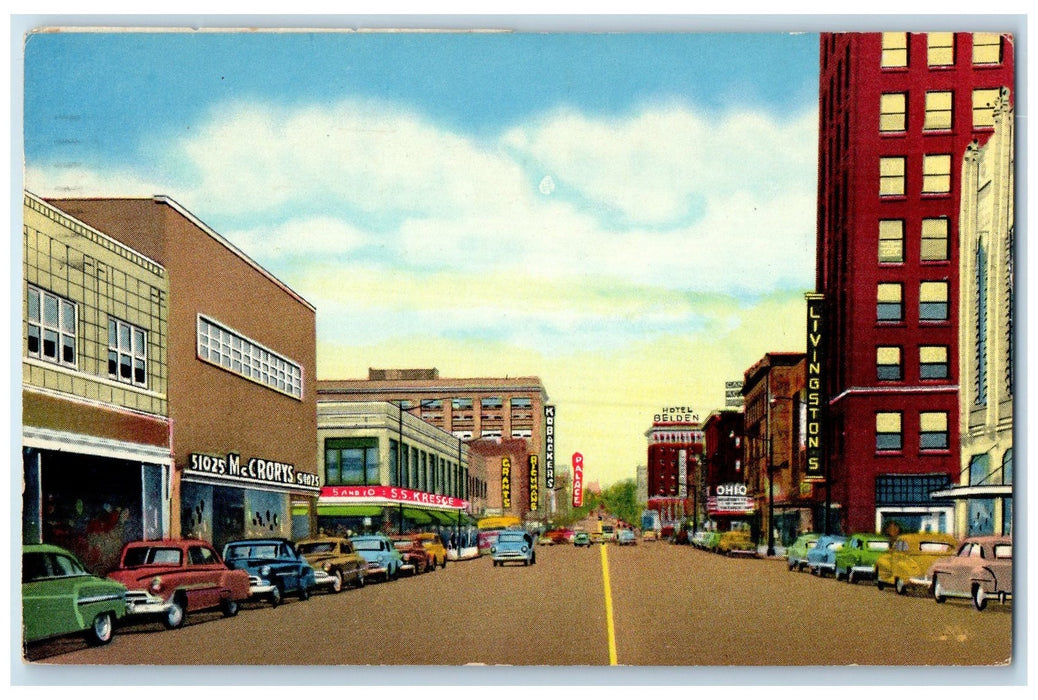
(156, 584)
(523, 549)
(265, 571)
(493, 550)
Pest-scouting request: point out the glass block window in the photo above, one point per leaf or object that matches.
(936, 173)
(888, 431)
(51, 327)
(891, 241)
(940, 49)
(888, 363)
(938, 114)
(127, 353)
(894, 50)
(909, 489)
(234, 352)
(933, 362)
(987, 48)
(933, 430)
(893, 111)
(888, 302)
(892, 176)
(933, 239)
(933, 301)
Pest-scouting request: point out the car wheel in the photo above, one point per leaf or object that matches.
(850, 576)
(304, 593)
(836, 574)
(790, 565)
(229, 607)
(938, 592)
(336, 582)
(275, 597)
(175, 615)
(360, 580)
(443, 564)
(979, 598)
(102, 630)
(899, 586)
(880, 585)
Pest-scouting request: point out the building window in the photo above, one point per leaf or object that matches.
(127, 353)
(987, 48)
(234, 352)
(888, 302)
(984, 100)
(351, 461)
(51, 323)
(909, 489)
(891, 241)
(933, 243)
(888, 363)
(933, 301)
(888, 432)
(933, 431)
(892, 112)
(981, 516)
(936, 174)
(938, 114)
(894, 50)
(1007, 466)
(979, 469)
(892, 176)
(933, 362)
(980, 330)
(940, 49)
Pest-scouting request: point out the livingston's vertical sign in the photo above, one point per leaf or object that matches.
(549, 447)
(534, 492)
(506, 483)
(815, 469)
(578, 479)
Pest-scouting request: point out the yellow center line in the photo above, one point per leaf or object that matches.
(611, 633)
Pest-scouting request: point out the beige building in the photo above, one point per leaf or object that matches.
(984, 493)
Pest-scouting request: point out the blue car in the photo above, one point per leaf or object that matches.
(275, 568)
(513, 545)
(821, 559)
(383, 558)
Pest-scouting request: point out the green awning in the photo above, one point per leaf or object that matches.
(446, 518)
(348, 511)
(300, 510)
(419, 516)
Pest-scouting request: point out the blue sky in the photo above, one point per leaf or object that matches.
(628, 216)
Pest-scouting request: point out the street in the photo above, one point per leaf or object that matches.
(671, 606)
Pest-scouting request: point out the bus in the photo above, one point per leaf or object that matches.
(489, 528)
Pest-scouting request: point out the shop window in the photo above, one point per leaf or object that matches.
(984, 100)
(938, 116)
(892, 176)
(888, 431)
(888, 363)
(891, 241)
(933, 239)
(933, 430)
(933, 301)
(981, 516)
(933, 362)
(987, 48)
(936, 174)
(235, 353)
(893, 113)
(351, 461)
(940, 49)
(894, 50)
(51, 327)
(127, 353)
(889, 305)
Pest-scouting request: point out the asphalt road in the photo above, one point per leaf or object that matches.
(671, 606)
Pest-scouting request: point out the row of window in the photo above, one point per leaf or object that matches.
(225, 348)
(51, 323)
(933, 301)
(940, 49)
(933, 363)
(355, 462)
(936, 171)
(933, 431)
(938, 114)
(933, 240)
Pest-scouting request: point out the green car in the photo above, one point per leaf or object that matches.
(796, 553)
(858, 557)
(581, 539)
(59, 597)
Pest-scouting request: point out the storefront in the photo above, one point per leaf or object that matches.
(729, 507)
(390, 510)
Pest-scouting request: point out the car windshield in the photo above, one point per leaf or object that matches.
(144, 556)
(1003, 551)
(252, 551)
(316, 547)
(877, 546)
(812, 544)
(402, 544)
(934, 547)
(37, 566)
(511, 537)
(833, 546)
(368, 545)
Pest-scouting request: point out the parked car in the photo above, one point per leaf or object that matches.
(513, 545)
(796, 553)
(382, 557)
(581, 539)
(626, 537)
(434, 546)
(334, 561)
(910, 557)
(60, 597)
(857, 558)
(708, 540)
(560, 535)
(982, 569)
(170, 578)
(821, 559)
(416, 560)
(735, 543)
(275, 568)
(650, 536)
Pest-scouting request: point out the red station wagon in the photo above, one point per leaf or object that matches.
(169, 578)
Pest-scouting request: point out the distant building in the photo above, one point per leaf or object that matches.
(642, 483)
(723, 496)
(674, 451)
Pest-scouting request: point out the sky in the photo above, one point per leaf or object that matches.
(629, 217)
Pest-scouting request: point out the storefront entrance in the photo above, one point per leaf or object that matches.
(219, 514)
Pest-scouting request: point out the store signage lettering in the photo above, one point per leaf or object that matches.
(549, 447)
(815, 398)
(676, 414)
(256, 469)
(506, 482)
(733, 394)
(729, 499)
(395, 494)
(534, 493)
(578, 480)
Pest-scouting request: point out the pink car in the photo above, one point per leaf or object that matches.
(982, 569)
(168, 578)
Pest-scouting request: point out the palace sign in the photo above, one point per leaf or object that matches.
(578, 480)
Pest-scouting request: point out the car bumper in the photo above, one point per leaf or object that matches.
(920, 581)
(407, 567)
(510, 556)
(865, 570)
(144, 603)
(259, 587)
(323, 579)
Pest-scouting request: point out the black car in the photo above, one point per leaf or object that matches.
(275, 568)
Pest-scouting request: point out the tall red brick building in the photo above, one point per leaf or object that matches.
(897, 113)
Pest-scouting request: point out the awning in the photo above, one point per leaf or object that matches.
(420, 517)
(348, 511)
(445, 518)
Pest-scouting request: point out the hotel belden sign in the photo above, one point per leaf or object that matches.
(390, 494)
(506, 482)
(549, 447)
(534, 492)
(255, 472)
(814, 469)
(578, 479)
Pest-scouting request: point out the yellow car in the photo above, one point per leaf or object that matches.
(910, 558)
(434, 548)
(735, 543)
